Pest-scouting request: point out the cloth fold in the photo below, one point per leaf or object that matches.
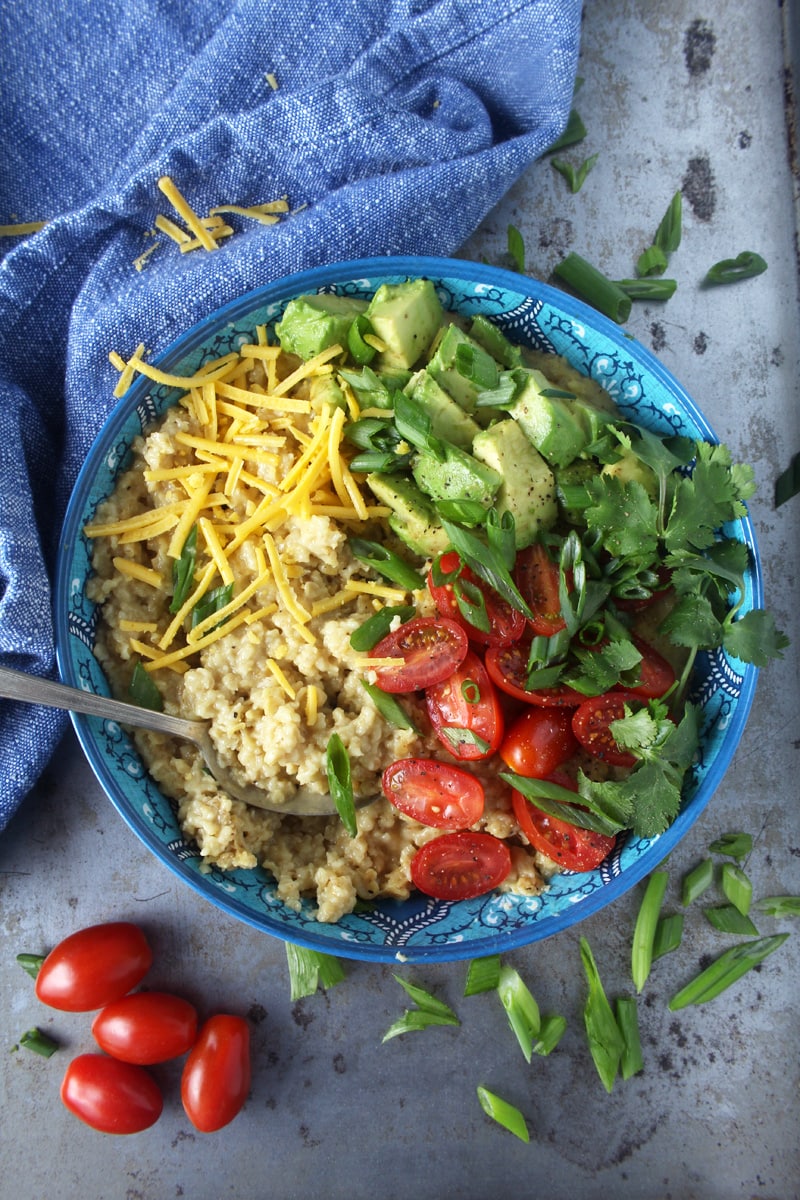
(392, 126)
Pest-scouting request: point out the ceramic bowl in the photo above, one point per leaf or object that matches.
(420, 928)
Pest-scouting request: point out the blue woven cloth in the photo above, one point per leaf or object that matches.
(394, 127)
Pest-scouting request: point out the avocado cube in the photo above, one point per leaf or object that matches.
(554, 425)
(528, 489)
(310, 324)
(442, 368)
(448, 419)
(495, 342)
(406, 317)
(459, 476)
(413, 517)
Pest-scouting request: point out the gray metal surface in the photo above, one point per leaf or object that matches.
(674, 96)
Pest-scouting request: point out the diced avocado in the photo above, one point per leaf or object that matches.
(310, 324)
(442, 367)
(459, 476)
(413, 517)
(448, 419)
(405, 316)
(528, 489)
(553, 424)
(631, 469)
(495, 342)
(323, 389)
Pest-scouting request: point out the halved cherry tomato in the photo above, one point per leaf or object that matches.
(508, 668)
(458, 866)
(216, 1078)
(573, 848)
(590, 724)
(146, 1027)
(434, 793)
(431, 649)
(111, 1096)
(94, 966)
(656, 675)
(466, 703)
(539, 741)
(506, 623)
(537, 578)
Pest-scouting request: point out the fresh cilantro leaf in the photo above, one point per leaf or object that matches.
(693, 622)
(657, 799)
(603, 667)
(624, 516)
(754, 638)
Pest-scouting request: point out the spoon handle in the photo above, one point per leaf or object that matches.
(18, 685)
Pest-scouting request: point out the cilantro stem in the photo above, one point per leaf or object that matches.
(594, 287)
(645, 928)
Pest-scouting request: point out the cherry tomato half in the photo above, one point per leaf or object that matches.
(573, 848)
(94, 966)
(466, 703)
(506, 624)
(539, 741)
(146, 1027)
(216, 1077)
(508, 669)
(458, 866)
(434, 793)
(537, 578)
(590, 724)
(109, 1095)
(656, 675)
(431, 648)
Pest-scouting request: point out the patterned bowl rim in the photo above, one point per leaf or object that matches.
(374, 270)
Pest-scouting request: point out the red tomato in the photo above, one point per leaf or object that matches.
(656, 675)
(508, 668)
(434, 793)
(94, 966)
(573, 848)
(539, 741)
(216, 1077)
(458, 866)
(109, 1095)
(506, 623)
(466, 700)
(146, 1027)
(537, 578)
(431, 649)
(590, 724)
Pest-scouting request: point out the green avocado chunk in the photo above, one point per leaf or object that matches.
(406, 317)
(413, 516)
(448, 419)
(459, 476)
(557, 427)
(310, 324)
(528, 488)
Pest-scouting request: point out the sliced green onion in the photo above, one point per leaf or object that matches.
(668, 935)
(697, 881)
(414, 425)
(501, 535)
(340, 784)
(426, 1000)
(594, 287)
(360, 351)
(487, 564)
(779, 906)
(386, 563)
(606, 1043)
(627, 1014)
(389, 707)
(516, 248)
(476, 366)
(726, 970)
(471, 603)
(733, 845)
(39, 1043)
(414, 1020)
(551, 1031)
(557, 801)
(470, 691)
(211, 603)
(503, 1113)
(645, 928)
(31, 963)
(457, 736)
(143, 690)
(574, 132)
(521, 1008)
(737, 887)
(728, 919)
(575, 176)
(652, 261)
(483, 975)
(377, 461)
(183, 571)
(311, 969)
(465, 512)
(371, 631)
(648, 289)
(730, 270)
(668, 234)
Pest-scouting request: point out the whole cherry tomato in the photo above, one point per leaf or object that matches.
(146, 1027)
(216, 1077)
(111, 1096)
(539, 741)
(94, 966)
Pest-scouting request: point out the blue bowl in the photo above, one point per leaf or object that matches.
(420, 928)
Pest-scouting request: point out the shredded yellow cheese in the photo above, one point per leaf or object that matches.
(281, 678)
(136, 571)
(393, 595)
(312, 705)
(185, 210)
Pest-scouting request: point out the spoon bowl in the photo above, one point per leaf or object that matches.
(17, 685)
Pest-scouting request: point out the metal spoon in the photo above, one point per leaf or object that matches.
(17, 685)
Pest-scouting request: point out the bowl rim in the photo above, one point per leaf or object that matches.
(191, 339)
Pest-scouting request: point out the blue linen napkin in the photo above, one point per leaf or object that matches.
(393, 126)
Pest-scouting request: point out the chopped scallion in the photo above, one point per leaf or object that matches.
(779, 906)
(574, 132)
(645, 929)
(31, 963)
(386, 563)
(183, 571)
(730, 270)
(668, 234)
(521, 1008)
(697, 881)
(311, 969)
(575, 176)
(143, 690)
(668, 935)
(606, 1043)
(627, 1014)
(737, 887)
(483, 975)
(551, 1031)
(360, 351)
(516, 248)
(726, 970)
(40, 1043)
(371, 631)
(728, 919)
(648, 289)
(337, 762)
(652, 261)
(733, 845)
(211, 603)
(594, 287)
(503, 1113)
(389, 707)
